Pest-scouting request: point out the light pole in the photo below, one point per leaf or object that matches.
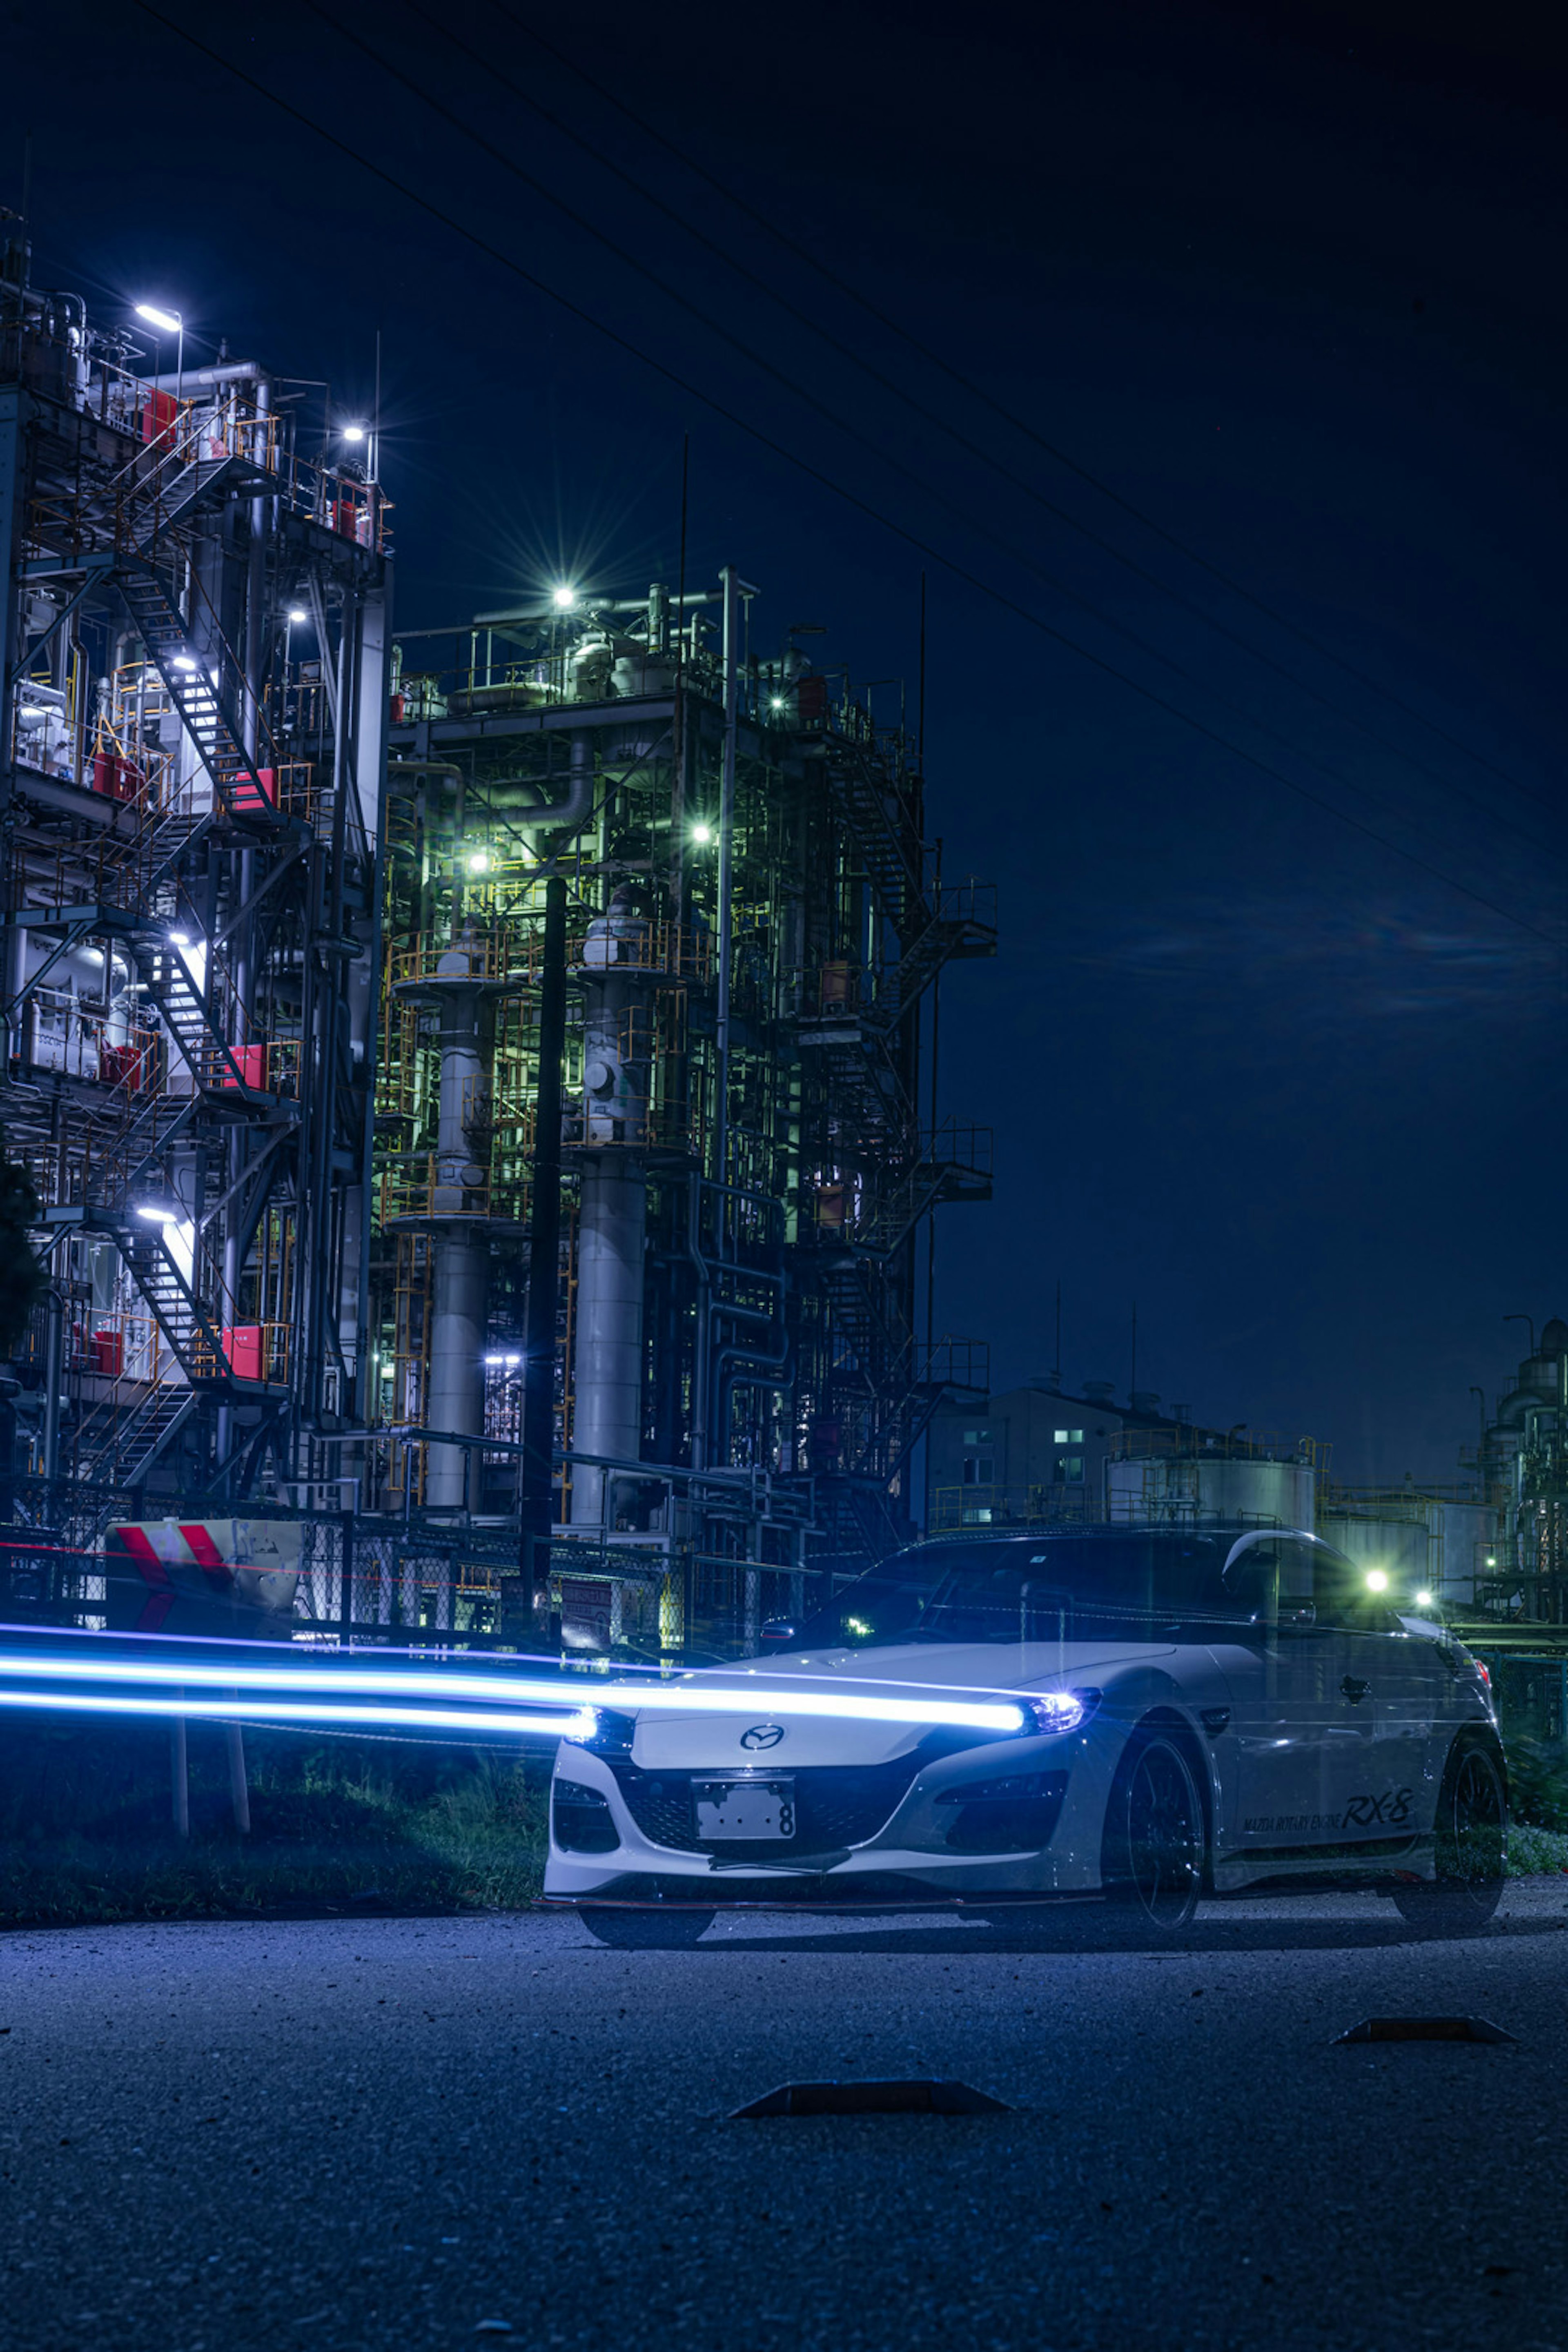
(173, 322)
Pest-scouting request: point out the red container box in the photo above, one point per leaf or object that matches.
(113, 776)
(123, 1065)
(106, 1353)
(158, 419)
(255, 792)
(252, 1061)
(242, 1350)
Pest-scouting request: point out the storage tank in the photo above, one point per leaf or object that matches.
(1468, 1533)
(1221, 1485)
(1401, 1546)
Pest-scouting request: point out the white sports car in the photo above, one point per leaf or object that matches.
(1151, 1715)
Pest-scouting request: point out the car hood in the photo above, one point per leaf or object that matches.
(672, 1740)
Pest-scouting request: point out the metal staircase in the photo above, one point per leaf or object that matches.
(963, 925)
(196, 1345)
(117, 1443)
(876, 813)
(954, 1164)
(198, 697)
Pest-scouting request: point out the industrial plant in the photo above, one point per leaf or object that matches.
(478, 1083)
(477, 1087)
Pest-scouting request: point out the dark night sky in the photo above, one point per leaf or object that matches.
(1290, 282)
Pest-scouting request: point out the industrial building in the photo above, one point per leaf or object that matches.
(729, 1327)
(481, 1087)
(1520, 1466)
(195, 654)
(1042, 1455)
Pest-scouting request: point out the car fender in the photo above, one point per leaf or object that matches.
(1147, 1694)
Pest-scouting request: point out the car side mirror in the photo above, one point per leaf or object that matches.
(1298, 1616)
(778, 1630)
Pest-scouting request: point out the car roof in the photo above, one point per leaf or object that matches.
(1100, 1533)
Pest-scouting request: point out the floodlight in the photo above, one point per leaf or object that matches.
(170, 320)
(1377, 1580)
(563, 599)
(353, 431)
(702, 833)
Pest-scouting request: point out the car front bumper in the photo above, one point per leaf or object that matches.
(924, 1839)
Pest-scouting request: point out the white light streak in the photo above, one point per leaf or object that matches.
(578, 1724)
(492, 1691)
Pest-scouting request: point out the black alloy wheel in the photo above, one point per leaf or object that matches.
(1156, 1839)
(659, 1928)
(1471, 1844)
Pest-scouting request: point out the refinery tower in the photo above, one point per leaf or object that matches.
(480, 1084)
(730, 1321)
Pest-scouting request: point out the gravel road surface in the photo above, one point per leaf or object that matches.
(384, 2133)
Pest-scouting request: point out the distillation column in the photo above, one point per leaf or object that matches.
(607, 1359)
(460, 1271)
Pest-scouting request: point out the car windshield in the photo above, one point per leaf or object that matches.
(1072, 1588)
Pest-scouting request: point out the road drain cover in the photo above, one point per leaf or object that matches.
(921, 2097)
(1425, 2029)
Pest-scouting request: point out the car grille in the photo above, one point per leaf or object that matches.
(835, 1806)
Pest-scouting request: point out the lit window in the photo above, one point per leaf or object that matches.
(1070, 1437)
(977, 1437)
(981, 1518)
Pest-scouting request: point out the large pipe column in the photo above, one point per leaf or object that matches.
(607, 1362)
(460, 1275)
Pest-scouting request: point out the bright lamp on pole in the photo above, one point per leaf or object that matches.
(169, 322)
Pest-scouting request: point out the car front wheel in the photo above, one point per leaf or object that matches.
(1471, 1845)
(1156, 1841)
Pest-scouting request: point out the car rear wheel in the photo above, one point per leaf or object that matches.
(1156, 1837)
(630, 1929)
(1471, 1845)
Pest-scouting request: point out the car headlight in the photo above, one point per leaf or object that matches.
(612, 1734)
(1055, 1711)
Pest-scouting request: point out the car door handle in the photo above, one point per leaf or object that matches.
(1354, 1688)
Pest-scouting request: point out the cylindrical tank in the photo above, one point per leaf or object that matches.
(459, 1289)
(1467, 1533)
(460, 1275)
(1402, 1548)
(606, 1371)
(1190, 1486)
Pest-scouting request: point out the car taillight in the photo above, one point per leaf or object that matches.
(1485, 1672)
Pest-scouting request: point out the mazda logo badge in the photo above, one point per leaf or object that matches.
(763, 1734)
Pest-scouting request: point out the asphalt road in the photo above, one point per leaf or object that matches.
(382, 2132)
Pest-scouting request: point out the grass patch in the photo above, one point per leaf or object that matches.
(1535, 1852)
(86, 1837)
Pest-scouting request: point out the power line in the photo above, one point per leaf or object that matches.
(851, 497)
(831, 415)
(509, 162)
(885, 383)
(998, 408)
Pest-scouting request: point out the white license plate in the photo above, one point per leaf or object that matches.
(744, 1809)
